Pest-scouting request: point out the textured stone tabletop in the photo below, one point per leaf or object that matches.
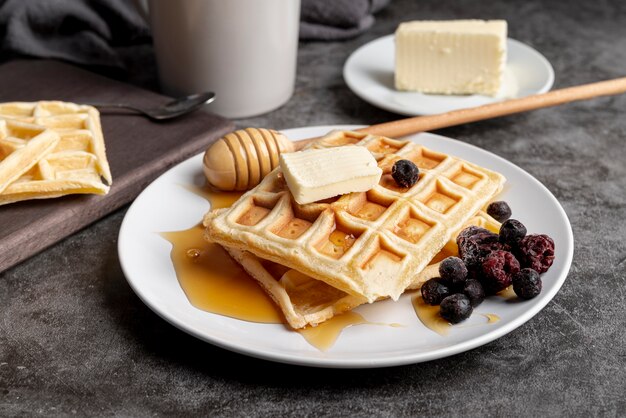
(75, 339)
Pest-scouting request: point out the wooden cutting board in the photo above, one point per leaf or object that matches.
(138, 151)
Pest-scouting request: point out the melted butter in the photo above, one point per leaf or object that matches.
(324, 335)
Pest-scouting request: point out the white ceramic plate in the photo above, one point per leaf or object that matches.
(166, 205)
(369, 73)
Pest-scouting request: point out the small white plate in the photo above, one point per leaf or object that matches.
(167, 205)
(369, 73)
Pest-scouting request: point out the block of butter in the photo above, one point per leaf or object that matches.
(318, 174)
(451, 57)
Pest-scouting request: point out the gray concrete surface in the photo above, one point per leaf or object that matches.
(75, 340)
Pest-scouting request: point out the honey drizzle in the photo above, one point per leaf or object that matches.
(491, 318)
(324, 335)
(429, 316)
(214, 282)
(216, 198)
(508, 293)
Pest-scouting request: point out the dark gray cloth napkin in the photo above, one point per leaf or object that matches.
(94, 32)
(337, 19)
(85, 32)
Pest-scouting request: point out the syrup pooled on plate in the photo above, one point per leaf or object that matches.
(324, 335)
(491, 318)
(214, 282)
(429, 316)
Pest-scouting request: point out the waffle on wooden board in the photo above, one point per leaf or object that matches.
(50, 149)
(370, 244)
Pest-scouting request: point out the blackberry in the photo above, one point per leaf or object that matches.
(405, 173)
(474, 291)
(434, 291)
(527, 283)
(456, 308)
(475, 248)
(512, 231)
(499, 210)
(498, 269)
(469, 232)
(453, 271)
(536, 252)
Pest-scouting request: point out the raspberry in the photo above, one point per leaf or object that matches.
(453, 271)
(512, 231)
(434, 291)
(497, 270)
(499, 210)
(475, 248)
(536, 252)
(474, 291)
(405, 173)
(527, 283)
(456, 308)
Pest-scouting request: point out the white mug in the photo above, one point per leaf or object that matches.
(243, 50)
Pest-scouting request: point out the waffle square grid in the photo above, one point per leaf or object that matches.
(368, 244)
(305, 301)
(73, 162)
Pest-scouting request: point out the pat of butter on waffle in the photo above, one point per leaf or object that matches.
(367, 244)
(51, 149)
(317, 174)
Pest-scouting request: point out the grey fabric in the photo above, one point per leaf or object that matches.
(337, 19)
(81, 31)
(96, 32)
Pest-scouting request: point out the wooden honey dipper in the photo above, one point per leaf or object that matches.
(240, 160)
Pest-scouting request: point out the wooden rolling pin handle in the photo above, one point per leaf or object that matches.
(416, 124)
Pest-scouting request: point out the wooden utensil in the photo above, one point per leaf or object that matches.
(242, 158)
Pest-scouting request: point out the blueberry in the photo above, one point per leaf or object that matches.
(434, 291)
(527, 283)
(453, 271)
(456, 308)
(499, 210)
(474, 291)
(405, 173)
(512, 231)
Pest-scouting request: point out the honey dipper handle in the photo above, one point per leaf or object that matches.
(508, 107)
(416, 124)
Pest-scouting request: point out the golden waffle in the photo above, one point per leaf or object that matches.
(76, 163)
(305, 301)
(368, 244)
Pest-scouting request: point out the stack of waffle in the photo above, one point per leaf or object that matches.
(50, 149)
(324, 258)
